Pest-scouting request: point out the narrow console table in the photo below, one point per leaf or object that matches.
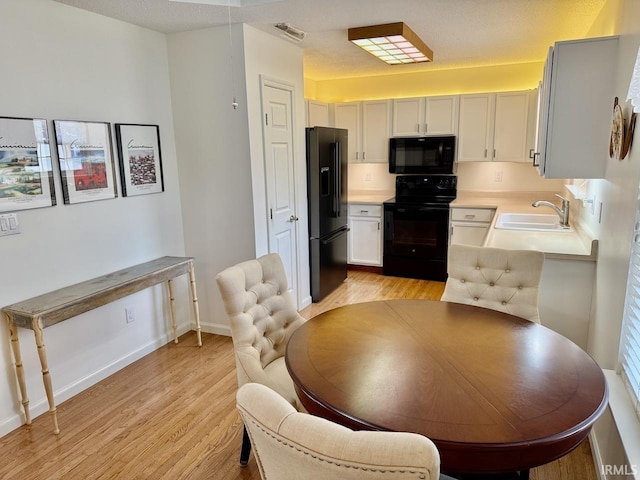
(40, 312)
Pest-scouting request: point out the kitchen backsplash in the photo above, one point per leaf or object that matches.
(480, 176)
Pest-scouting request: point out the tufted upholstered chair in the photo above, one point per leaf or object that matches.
(262, 317)
(290, 445)
(502, 280)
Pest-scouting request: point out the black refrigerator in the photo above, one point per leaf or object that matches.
(327, 201)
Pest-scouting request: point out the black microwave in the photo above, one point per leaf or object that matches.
(422, 154)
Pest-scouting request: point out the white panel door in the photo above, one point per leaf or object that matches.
(279, 177)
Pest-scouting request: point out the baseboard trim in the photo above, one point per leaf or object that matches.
(365, 268)
(595, 453)
(216, 328)
(40, 406)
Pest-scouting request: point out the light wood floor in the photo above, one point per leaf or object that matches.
(171, 415)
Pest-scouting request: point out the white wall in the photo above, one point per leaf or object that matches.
(616, 197)
(60, 62)
(222, 174)
(281, 61)
(618, 194)
(215, 161)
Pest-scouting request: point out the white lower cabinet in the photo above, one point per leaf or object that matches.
(365, 235)
(566, 288)
(469, 226)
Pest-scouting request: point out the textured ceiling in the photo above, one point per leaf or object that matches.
(462, 33)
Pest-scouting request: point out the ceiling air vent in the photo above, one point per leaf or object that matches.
(291, 32)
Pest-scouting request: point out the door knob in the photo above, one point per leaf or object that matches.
(293, 218)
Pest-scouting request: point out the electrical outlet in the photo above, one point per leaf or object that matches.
(9, 224)
(497, 177)
(367, 177)
(130, 314)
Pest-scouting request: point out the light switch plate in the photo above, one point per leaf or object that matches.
(9, 224)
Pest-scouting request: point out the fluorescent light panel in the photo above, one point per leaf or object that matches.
(394, 43)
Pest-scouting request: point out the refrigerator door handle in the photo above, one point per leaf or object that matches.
(331, 238)
(338, 178)
(335, 187)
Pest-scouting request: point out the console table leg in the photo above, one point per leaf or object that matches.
(196, 310)
(15, 347)
(172, 304)
(46, 376)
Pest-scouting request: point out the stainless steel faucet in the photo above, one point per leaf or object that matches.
(563, 212)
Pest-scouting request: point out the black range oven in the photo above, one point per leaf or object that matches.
(416, 226)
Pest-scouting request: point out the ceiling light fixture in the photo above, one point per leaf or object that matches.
(291, 32)
(394, 43)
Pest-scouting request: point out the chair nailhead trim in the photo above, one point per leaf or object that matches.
(332, 462)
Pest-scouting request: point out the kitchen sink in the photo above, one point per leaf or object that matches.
(534, 222)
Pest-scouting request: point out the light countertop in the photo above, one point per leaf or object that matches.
(374, 197)
(576, 245)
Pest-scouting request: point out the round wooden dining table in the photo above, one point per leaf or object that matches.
(494, 392)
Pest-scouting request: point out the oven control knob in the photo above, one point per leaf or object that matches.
(413, 250)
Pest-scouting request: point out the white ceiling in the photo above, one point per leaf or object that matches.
(462, 33)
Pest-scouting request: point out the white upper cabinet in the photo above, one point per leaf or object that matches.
(495, 127)
(574, 114)
(317, 114)
(368, 124)
(425, 116)
(375, 131)
(442, 115)
(475, 140)
(347, 115)
(408, 116)
(511, 125)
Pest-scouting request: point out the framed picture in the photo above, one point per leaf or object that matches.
(140, 159)
(86, 161)
(26, 175)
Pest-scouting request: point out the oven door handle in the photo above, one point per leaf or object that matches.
(419, 208)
